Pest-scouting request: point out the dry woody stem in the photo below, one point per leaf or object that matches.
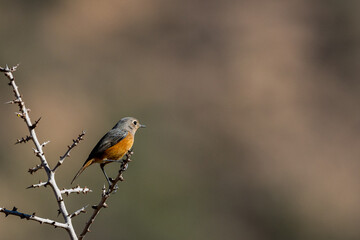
(23, 113)
(77, 190)
(38, 150)
(32, 217)
(67, 153)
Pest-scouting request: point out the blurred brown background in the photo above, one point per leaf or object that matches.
(252, 110)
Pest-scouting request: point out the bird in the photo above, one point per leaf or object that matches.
(113, 145)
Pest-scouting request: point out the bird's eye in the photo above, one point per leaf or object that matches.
(135, 122)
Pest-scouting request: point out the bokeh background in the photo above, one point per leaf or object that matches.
(252, 110)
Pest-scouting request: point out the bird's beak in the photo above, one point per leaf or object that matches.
(142, 126)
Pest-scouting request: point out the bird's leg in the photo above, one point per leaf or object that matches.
(109, 180)
(106, 176)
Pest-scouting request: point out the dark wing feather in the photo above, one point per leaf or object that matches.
(108, 140)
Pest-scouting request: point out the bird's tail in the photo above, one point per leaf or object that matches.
(86, 164)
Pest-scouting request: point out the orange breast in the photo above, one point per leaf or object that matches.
(117, 151)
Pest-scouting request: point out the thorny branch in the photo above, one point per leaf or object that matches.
(106, 194)
(33, 217)
(38, 150)
(77, 190)
(81, 210)
(34, 169)
(23, 140)
(67, 153)
(40, 184)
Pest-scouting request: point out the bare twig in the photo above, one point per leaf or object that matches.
(38, 150)
(67, 153)
(23, 140)
(40, 184)
(106, 194)
(12, 101)
(81, 210)
(34, 169)
(6, 69)
(77, 190)
(32, 217)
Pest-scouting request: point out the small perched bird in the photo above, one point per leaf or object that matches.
(113, 145)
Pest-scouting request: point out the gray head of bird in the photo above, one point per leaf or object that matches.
(129, 124)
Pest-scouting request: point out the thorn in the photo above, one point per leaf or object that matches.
(105, 205)
(59, 211)
(33, 214)
(14, 209)
(44, 144)
(94, 207)
(35, 124)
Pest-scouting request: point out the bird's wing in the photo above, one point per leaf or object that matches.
(108, 140)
